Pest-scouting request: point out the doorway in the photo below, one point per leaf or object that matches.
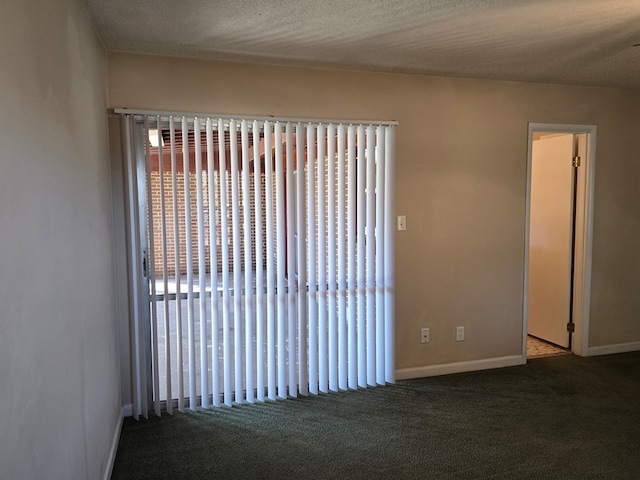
(558, 235)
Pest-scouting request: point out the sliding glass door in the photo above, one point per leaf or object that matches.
(262, 250)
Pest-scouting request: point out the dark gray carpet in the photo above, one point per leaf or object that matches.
(560, 417)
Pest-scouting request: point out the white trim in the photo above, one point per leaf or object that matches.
(111, 459)
(460, 367)
(127, 410)
(584, 235)
(270, 118)
(617, 348)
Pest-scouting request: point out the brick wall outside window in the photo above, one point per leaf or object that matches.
(170, 220)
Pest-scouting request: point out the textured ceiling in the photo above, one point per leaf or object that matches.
(586, 42)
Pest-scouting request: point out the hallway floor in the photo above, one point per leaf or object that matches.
(539, 348)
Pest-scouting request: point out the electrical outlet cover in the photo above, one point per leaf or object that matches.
(424, 335)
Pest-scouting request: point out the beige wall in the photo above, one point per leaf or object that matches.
(59, 371)
(461, 175)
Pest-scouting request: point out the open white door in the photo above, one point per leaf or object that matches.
(551, 238)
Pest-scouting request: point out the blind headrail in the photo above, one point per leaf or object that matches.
(324, 121)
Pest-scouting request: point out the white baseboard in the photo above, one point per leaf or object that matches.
(127, 410)
(111, 459)
(617, 348)
(459, 367)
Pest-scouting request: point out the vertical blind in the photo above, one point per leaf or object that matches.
(261, 259)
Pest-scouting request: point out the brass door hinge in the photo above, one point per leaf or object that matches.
(576, 161)
(571, 327)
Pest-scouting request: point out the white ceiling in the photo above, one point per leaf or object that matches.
(586, 42)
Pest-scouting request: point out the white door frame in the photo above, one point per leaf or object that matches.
(583, 238)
